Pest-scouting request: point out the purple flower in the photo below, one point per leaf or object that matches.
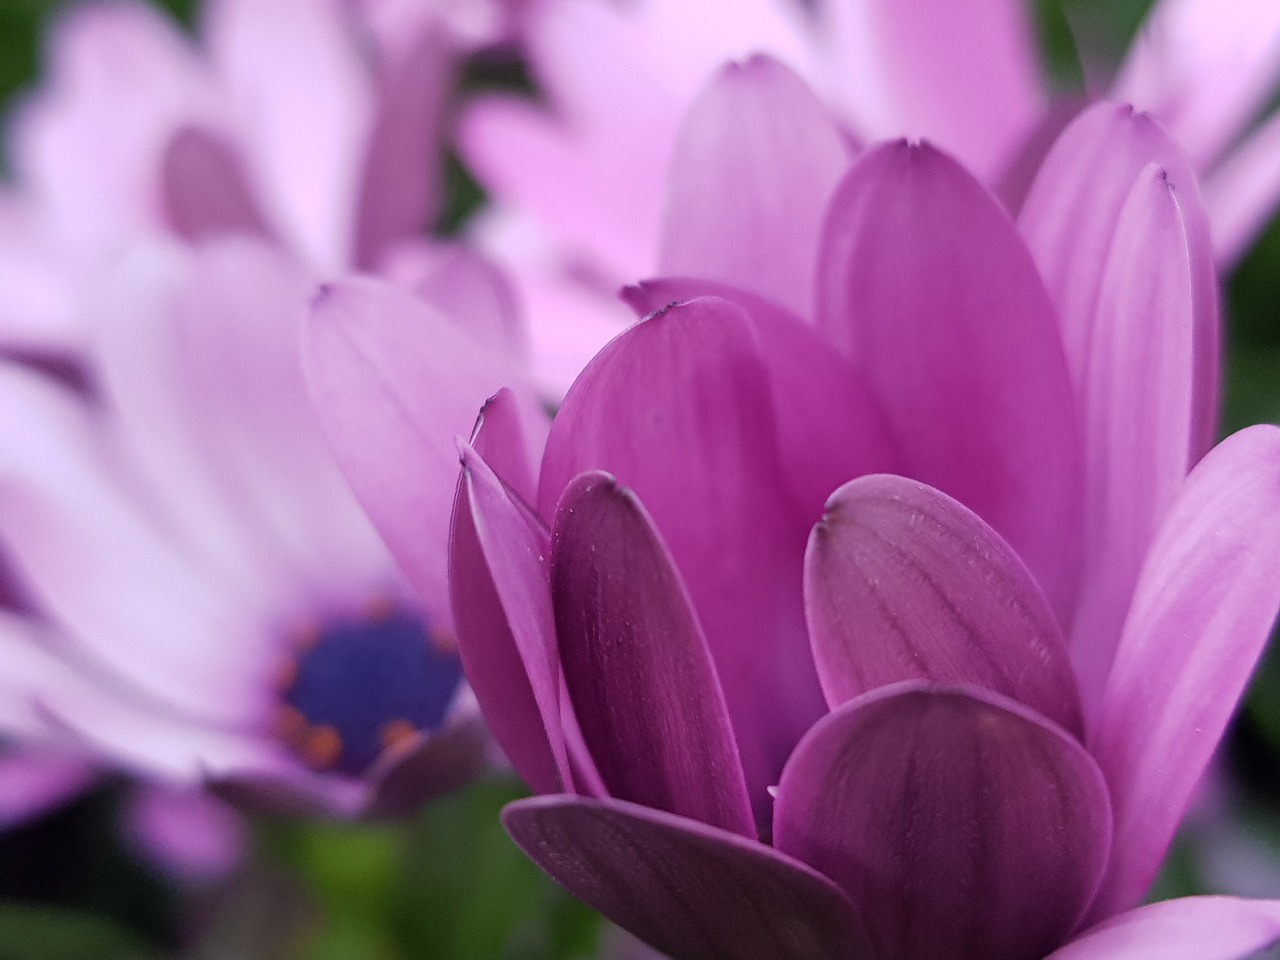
(956, 715)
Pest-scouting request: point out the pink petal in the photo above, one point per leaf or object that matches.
(190, 833)
(1193, 928)
(755, 165)
(33, 783)
(678, 408)
(689, 890)
(903, 583)
(1204, 67)
(964, 74)
(1205, 603)
(636, 663)
(206, 188)
(394, 383)
(927, 287)
(1242, 192)
(1140, 402)
(958, 822)
(499, 554)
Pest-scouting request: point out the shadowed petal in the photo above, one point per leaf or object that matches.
(498, 557)
(636, 663)
(961, 824)
(903, 583)
(205, 187)
(1204, 605)
(754, 168)
(926, 286)
(678, 408)
(691, 891)
(1193, 928)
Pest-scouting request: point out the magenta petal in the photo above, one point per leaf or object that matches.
(691, 891)
(926, 286)
(958, 822)
(636, 663)
(678, 408)
(506, 633)
(1204, 605)
(830, 428)
(1193, 928)
(754, 169)
(903, 583)
(206, 189)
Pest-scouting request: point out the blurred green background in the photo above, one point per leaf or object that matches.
(449, 884)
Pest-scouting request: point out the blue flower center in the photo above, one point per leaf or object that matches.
(363, 685)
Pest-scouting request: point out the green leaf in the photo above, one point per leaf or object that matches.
(49, 933)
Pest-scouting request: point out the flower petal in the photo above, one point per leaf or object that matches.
(394, 383)
(498, 561)
(1241, 193)
(903, 583)
(691, 891)
(1204, 605)
(636, 663)
(1193, 928)
(960, 823)
(755, 165)
(678, 409)
(926, 286)
(206, 189)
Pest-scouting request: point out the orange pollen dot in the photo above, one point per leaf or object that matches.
(320, 748)
(291, 725)
(443, 641)
(286, 674)
(380, 608)
(306, 637)
(397, 732)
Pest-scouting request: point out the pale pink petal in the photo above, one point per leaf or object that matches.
(1205, 603)
(189, 833)
(1241, 193)
(1194, 928)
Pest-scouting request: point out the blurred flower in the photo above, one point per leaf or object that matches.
(910, 729)
(578, 179)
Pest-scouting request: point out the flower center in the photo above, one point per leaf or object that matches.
(361, 686)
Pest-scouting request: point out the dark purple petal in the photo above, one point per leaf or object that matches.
(1204, 605)
(506, 634)
(904, 583)
(925, 284)
(754, 168)
(959, 823)
(636, 664)
(442, 762)
(691, 891)
(679, 409)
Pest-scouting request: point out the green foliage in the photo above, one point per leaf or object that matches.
(29, 932)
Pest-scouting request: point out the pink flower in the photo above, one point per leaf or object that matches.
(579, 187)
(956, 715)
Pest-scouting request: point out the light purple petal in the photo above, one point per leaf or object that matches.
(1242, 192)
(1193, 928)
(963, 74)
(206, 188)
(1140, 403)
(498, 561)
(394, 384)
(830, 428)
(190, 833)
(1204, 67)
(33, 783)
(927, 287)
(755, 166)
(691, 891)
(678, 408)
(960, 823)
(1205, 603)
(636, 663)
(903, 583)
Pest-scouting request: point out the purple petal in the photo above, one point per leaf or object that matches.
(691, 891)
(399, 188)
(678, 408)
(206, 188)
(636, 663)
(440, 763)
(903, 583)
(394, 384)
(498, 556)
(33, 783)
(1241, 193)
(960, 823)
(755, 166)
(830, 428)
(927, 287)
(1204, 605)
(1193, 928)
(1139, 403)
(963, 73)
